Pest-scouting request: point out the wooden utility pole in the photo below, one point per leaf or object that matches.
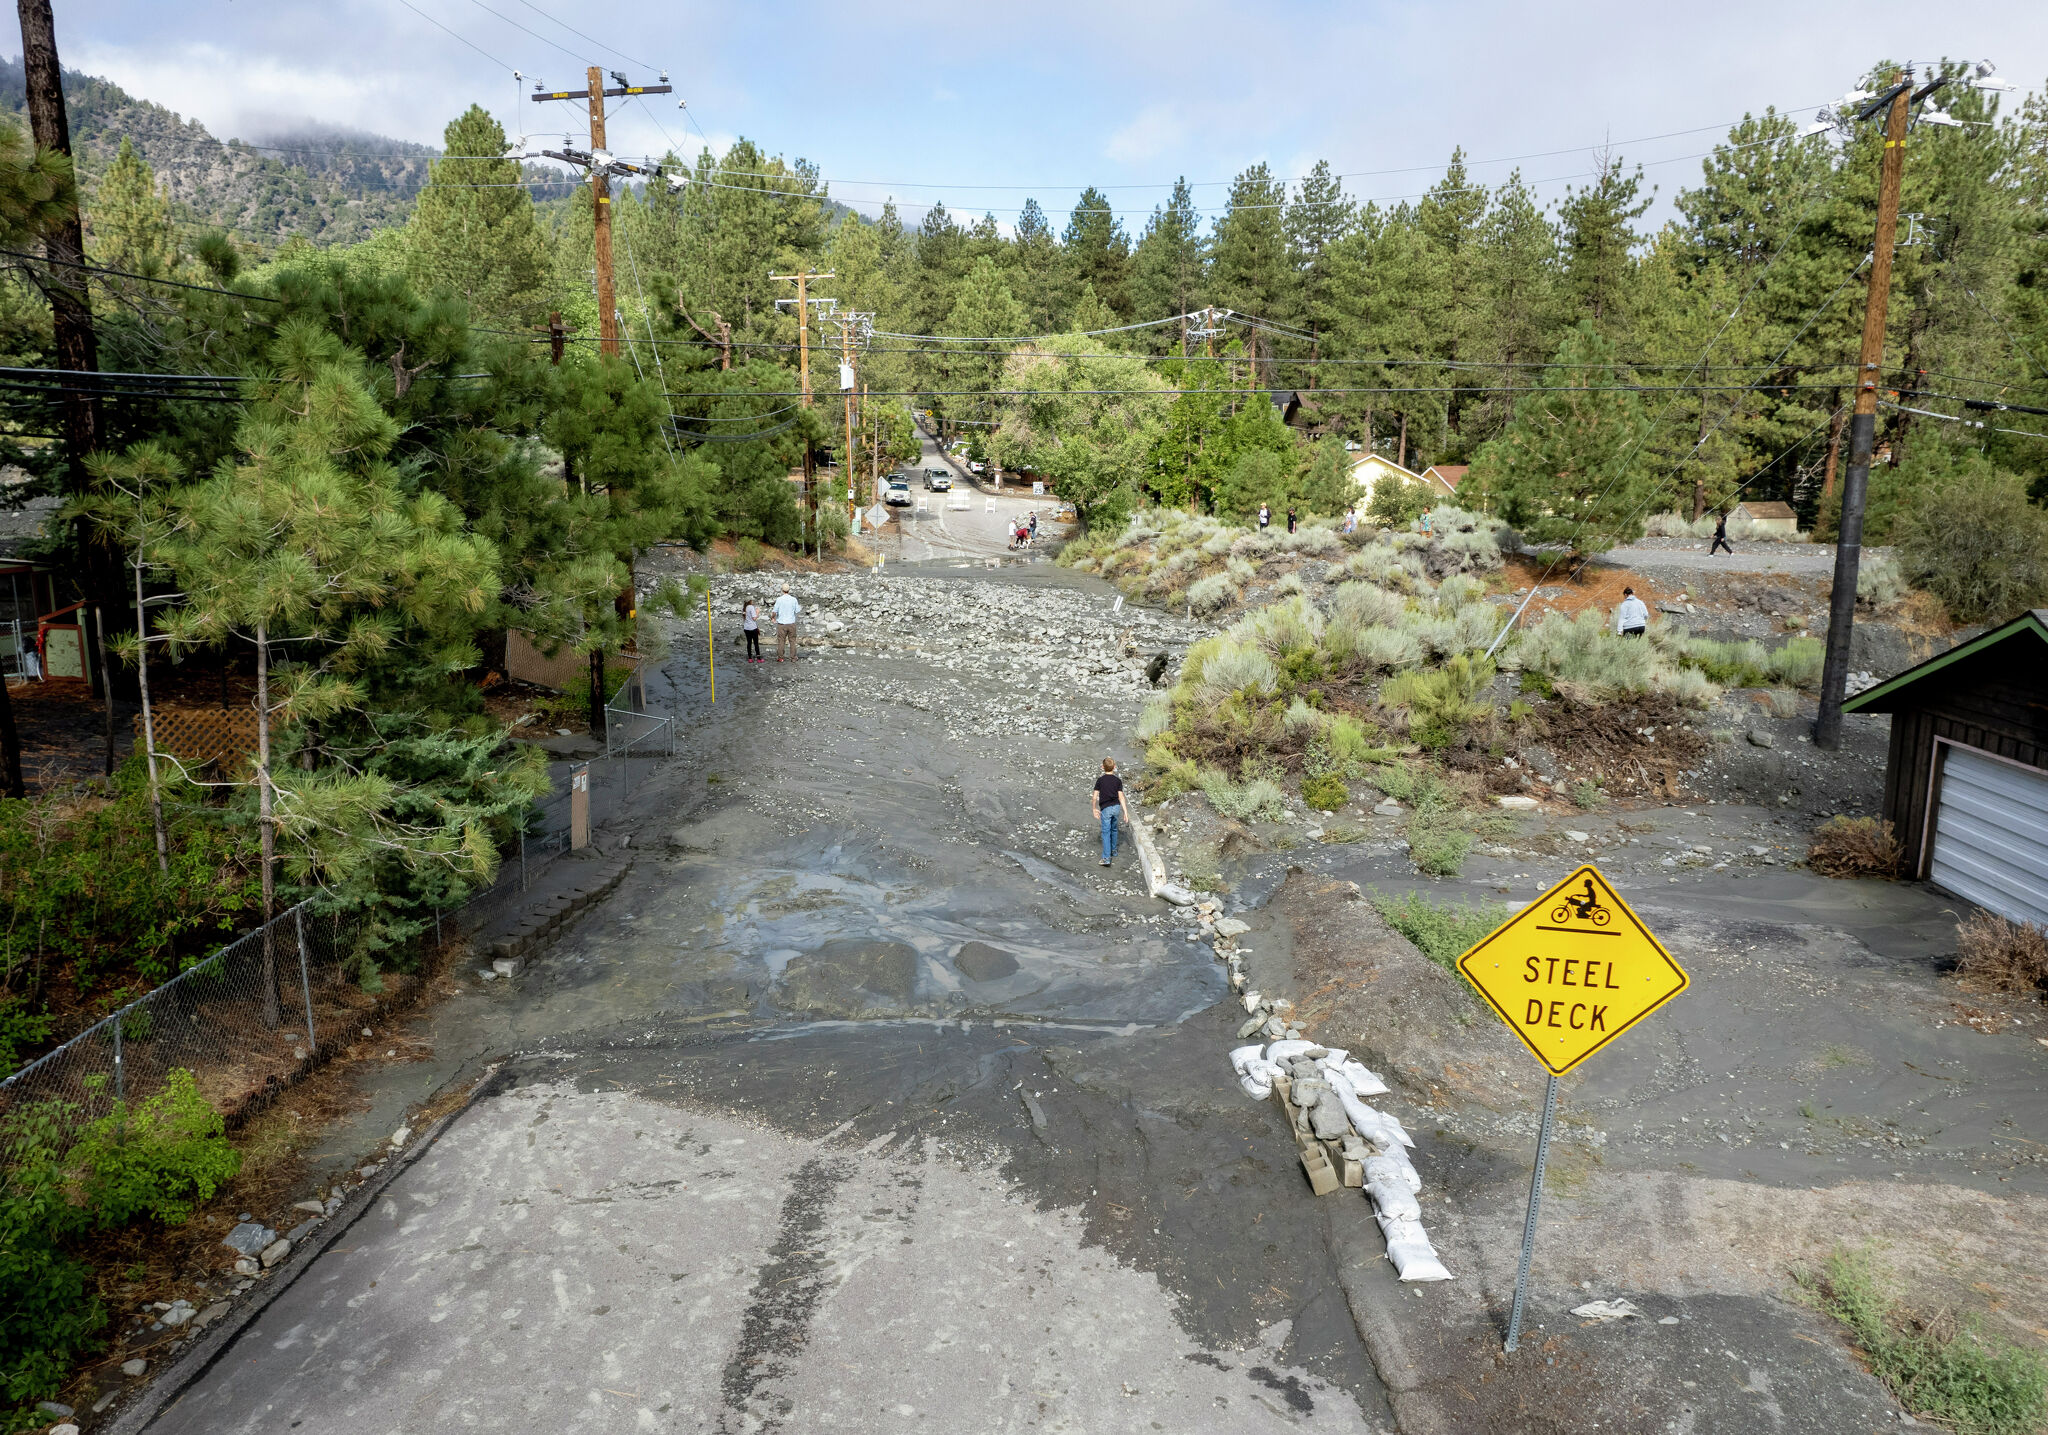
(557, 336)
(1834, 680)
(846, 391)
(601, 224)
(803, 351)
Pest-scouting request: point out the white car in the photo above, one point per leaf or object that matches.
(897, 495)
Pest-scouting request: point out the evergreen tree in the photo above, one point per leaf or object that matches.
(129, 221)
(1569, 469)
(472, 231)
(1516, 259)
(984, 307)
(1090, 315)
(1098, 252)
(1035, 265)
(1167, 266)
(1599, 242)
(1089, 424)
(1250, 264)
(1317, 219)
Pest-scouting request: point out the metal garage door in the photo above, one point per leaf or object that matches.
(1991, 835)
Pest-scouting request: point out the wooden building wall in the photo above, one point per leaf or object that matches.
(1979, 703)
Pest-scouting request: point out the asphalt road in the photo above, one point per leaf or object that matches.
(963, 524)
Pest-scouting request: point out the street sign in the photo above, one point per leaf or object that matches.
(1573, 970)
(1568, 973)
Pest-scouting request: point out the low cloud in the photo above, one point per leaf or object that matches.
(1155, 130)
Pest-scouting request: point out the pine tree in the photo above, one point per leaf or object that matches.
(1168, 264)
(1097, 251)
(1249, 265)
(1317, 220)
(1516, 259)
(1599, 242)
(472, 231)
(1034, 263)
(1090, 315)
(129, 222)
(983, 307)
(1569, 469)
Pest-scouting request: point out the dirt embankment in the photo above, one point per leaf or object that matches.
(1364, 986)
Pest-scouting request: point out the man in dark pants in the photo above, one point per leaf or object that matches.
(1633, 616)
(1721, 536)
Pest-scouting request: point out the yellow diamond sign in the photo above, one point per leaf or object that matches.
(1573, 970)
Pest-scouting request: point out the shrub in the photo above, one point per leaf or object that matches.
(48, 1312)
(1350, 745)
(1976, 543)
(747, 555)
(1438, 844)
(1389, 648)
(1440, 701)
(1855, 847)
(2008, 956)
(1748, 664)
(1326, 793)
(1782, 703)
(1156, 717)
(1235, 667)
(1300, 717)
(1583, 658)
(159, 1160)
(1588, 794)
(1878, 580)
(1206, 595)
(1260, 797)
(1946, 1369)
(1441, 931)
(1667, 525)
(1694, 689)
(1368, 606)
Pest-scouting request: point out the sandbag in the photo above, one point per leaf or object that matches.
(1285, 1051)
(1363, 1081)
(1393, 1169)
(1382, 1130)
(1394, 1199)
(1408, 1247)
(1254, 1073)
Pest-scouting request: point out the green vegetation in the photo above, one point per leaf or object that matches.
(1976, 543)
(157, 1161)
(1441, 931)
(1946, 1369)
(1326, 793)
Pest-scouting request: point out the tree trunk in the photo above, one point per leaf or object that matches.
(597, 693)
(1403, 459)
(156, 796)
(1699, 484)
(266, 821)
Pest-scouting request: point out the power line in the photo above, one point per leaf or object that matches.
(443, 28)
(581, 36)
(144, 278)
(521, 28)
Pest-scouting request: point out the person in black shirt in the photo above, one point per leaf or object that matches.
(1721, 536)
(1108, 802)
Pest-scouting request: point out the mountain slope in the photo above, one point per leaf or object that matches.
(330, 185)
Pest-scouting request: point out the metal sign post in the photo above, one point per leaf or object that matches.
(1535, 1206)
(1568, 974)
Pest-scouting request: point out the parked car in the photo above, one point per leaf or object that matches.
(978, 466)
(937, 480)
(897, 495)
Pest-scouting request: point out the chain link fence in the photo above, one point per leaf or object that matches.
(629, 725)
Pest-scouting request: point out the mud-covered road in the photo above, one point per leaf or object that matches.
(869, 1101)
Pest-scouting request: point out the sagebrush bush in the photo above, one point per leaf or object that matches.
(1206, 595)
(1583, 659)
(1261, 797)
(1389, 648)
(1236, 667)
(1367, 605)
(1878, 579)
(1301, 718)
(1156, 717)
(158, 1160)
(1440, 701)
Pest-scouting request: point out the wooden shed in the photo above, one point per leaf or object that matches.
(1966, 780)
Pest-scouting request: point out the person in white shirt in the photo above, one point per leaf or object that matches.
(1631, 618)
(750, 624)
(786, 609)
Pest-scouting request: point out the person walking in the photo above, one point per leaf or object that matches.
(1631, 617)
(1721, 535)
(1290, 519)
(1108, 802)
(786, 610)
(750, 624)
(1034, 525)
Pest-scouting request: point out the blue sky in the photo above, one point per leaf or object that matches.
(980, 105)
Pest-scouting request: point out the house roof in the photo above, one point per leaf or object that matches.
(2028, 633)
(1451, 473)
(1383, 461)
(1767, 508)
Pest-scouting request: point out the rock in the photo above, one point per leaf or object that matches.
(1274, 1028)
(67, 1428)
(249, 1238)
(1539, 760)
(1179, 896)
(486, 975)
(134, 1368)
(402, 1135)
(506, 966)
(1516, 803)
(1606, 1310)
(55, 1411)
(301, 1230)
(276, 1251)
(1758, 851)
(1759, 738)
(246, 1267)
(1231, 927)
(312, 1208)
(1572, 836)
(211, 1314)
(177, 1315)
(1388, 808)
(1250, 1027)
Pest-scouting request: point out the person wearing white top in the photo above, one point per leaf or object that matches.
(786, 609)
(750, 624)
(1631, 618)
